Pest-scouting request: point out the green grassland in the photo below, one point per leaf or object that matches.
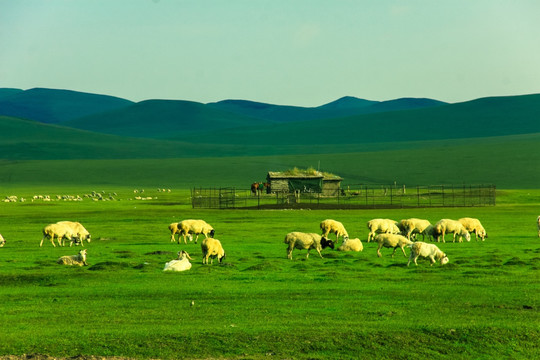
(258, 304)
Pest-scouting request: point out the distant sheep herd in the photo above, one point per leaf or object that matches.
(385, 232)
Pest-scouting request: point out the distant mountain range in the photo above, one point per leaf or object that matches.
(61, 121)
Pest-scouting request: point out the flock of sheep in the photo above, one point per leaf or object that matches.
(386, 233)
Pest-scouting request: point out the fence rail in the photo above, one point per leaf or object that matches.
(353, 197)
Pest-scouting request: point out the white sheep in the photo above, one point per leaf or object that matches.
(473, 225)
(448, 226)
(180, 264)
(173, 228)
(79, 259)
(414, 225)
(385, 226)
(79, 231)
(61, 231)
(306, 241)
(188, 227)
(392, 241)
(335, 227)
(2, 241)
(351, 245)
(212, 248)
(430, 251)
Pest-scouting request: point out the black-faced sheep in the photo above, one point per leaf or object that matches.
(393, 241)
(414, 225)
(79, 259)
(382, 226)
(306, 241)
(180, 264)
(430, 251)
(335, 227)
(189, 227)
(79, 232)
(61, 231)
(351, 245)
(473, 225)
(448, 226)
(211, 248)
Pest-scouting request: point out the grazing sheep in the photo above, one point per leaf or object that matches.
(173, 228)
(392, 241)
(306, 241)
(80, 233)
(211, 248)
(385, 226)
(473, 225)
(335, 227)
(414, 225)
(180, 264)
(188, 227)
(351, 245)
(447, 226)
(61, 231)
(430, 251)
(79, 259)
(2, 241)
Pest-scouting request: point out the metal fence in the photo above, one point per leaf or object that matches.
(352, 197)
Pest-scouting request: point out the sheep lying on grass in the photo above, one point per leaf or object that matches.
(351, 245)
(430, 251)
(473, 225)
(180, 264)
(2, 241)
(447, 226)
(306, 241)
(414, 226)
(384, 226)
(392, 241)
(79, 232)
(79, 259)
(188, 227)
(61, 231)
(335, 227)
(211, 248)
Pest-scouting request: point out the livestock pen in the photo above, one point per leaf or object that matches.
(358, 196)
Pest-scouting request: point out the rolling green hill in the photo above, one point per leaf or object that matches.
(55, 106)
(162, 118)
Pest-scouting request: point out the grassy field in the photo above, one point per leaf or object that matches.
(258, 304)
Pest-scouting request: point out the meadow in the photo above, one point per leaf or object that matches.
(483, 304)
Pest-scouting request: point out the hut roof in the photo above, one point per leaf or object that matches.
(304, 174)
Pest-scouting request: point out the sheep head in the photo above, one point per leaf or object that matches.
(327, 243)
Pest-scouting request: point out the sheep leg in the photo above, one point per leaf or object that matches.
(393, 252)
(196, 237)
(432, 260)
(319, 251)
(402, 249)
(379, 250)
(307, 255)
(43, 238)
(52, 241)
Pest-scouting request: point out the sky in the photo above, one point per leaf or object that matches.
(288, 52)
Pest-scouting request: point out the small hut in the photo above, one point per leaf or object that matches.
(304, 181)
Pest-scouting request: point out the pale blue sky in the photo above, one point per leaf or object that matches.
(297, 52)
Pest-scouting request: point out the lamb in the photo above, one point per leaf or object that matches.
(430, 251)
(392, 241)
(414, 225)
(449, 226)
(473, 225)
(2, 241)
(211, 248)
(79, 259)
(306, 241)
(180, 264)
(332, 226)
(81, 234)
(351, 245)
(173, 228)
(385, 226)
(61, 231)
(188, 227)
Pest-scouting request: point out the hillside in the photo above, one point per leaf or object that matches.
(163, 118)
(55, 106)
